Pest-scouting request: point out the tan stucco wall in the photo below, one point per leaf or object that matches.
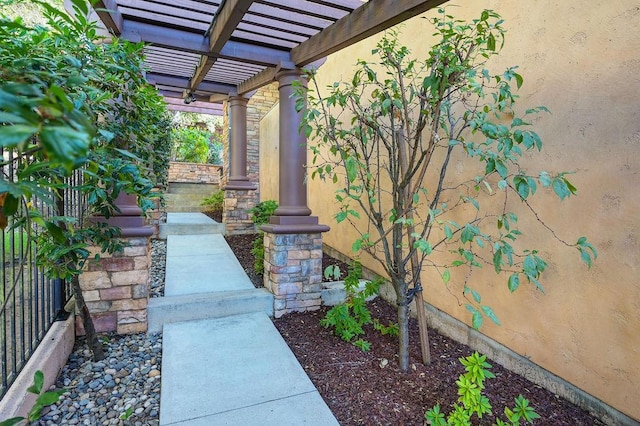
(269, 152)
(582, 63)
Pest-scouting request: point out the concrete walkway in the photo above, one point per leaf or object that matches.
(223, 361)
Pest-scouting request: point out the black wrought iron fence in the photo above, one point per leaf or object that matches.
(30, 301)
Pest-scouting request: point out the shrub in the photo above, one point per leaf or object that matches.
(190, 145)
(470, 387)
(214, 202)
(349, 317)
(260, 215)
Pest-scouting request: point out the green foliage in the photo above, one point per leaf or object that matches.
(73, 105)
(348, 318)
(260, 215)
(44, 399)
(214, 202)
(387, 135)
(472, 402)
(190, 144)
(262, 211)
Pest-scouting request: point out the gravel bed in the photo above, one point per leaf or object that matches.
(122, 389)
(157, 268)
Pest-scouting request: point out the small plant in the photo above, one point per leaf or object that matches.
(44, 399)
(260, 215)
(349, 317)
(470, 387)
(214, 202)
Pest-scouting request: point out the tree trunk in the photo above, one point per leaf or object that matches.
(403, 336)
(90, 332)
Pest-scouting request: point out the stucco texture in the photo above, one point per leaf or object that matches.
(582, 63)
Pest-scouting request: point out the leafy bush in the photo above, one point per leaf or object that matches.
(260, 215)
(214, 202)
(190, 145)
(349, 317)
(470, 387)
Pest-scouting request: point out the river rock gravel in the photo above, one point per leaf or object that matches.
(122, 389)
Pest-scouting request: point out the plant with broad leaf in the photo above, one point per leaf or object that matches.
(76, 116)
(471, 401)
(387, 138)
(43, 399)
(350, 316)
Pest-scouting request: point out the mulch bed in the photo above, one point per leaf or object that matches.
(367, 388)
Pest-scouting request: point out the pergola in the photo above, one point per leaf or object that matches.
(200, 53)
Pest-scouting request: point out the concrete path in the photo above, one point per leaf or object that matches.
(224, 362)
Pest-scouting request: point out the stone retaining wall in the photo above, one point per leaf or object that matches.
(194, 173)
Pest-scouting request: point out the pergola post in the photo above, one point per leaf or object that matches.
(293, 238)
(236, 192)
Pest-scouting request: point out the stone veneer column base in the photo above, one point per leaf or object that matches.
(116, 288)
(293, 271)
(235, 214)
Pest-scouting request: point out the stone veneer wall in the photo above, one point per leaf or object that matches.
(235, 214)
(194, 172)
(116, 288)
(293, 271)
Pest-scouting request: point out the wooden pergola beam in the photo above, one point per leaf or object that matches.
(108, 12)
(263, 78)
(224, 23)
(183, 83)
(369, 19)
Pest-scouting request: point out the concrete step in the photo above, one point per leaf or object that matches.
(187, 223)
(166, 310)
(205, 189)
(167, 229)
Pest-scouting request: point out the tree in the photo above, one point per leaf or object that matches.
(387, 138)
(73, 107)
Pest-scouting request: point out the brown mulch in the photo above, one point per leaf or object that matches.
(367, 388)
(215, 215)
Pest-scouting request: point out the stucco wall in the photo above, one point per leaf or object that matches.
(269, 155)
(582, 63)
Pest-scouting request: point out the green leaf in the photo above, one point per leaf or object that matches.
(352, 168)
(489, 313)
(519, 79)
(447, 232)
(340, 216)
(38, 383)
(476, 295)
(12, 421)
(11, 204)
(502, 184)
(544, 179)
(446, 276)
(65, 145)
(50, 397)
(560, 188)
(514, 282)
(491, 42)
(476, 320)
(17, 134)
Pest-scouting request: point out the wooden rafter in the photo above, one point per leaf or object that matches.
(110, 16)
(371, 18)
(227, 18)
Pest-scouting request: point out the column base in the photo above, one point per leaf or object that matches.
(294, 225)
(235, 214)
(240, 185)
(293, 271)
